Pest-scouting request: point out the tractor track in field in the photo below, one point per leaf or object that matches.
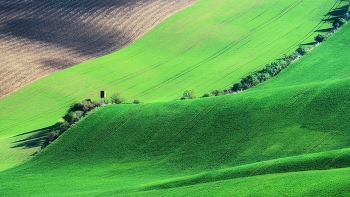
(228, 47)
(177, 75)
(137, 73)
(323, 21)
(301, 40)
(145, 70)
(187, 128)
(76, 77)
(245, 139)
(307, 149)
(225, 49)
(35, 33)
(119, 123)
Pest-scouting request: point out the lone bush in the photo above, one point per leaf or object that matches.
(206, 95)
(216, 92)
(116, 99)
(237, 87)
(189, 94)
(320, 38)
(301, 51)
(338, 22)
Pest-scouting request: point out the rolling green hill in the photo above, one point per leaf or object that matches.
(207, 46)
(288, 136)
(130, 148)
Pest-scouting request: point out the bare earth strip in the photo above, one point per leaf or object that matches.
(39, 37)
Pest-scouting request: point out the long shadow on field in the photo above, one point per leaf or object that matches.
(324, 30)
(35, 140)
(83, 38)
(309, 43)
(338, 12)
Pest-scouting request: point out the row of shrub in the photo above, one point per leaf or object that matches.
(254, 78)
(118, 99)
(74, 114)
(275, 67)
(272, 69)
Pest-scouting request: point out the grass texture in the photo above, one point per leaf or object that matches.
(287, 136)
(207, 46)
(289, 139)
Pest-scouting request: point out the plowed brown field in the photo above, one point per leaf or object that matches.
(39, 37)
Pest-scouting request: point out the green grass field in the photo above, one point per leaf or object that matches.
(288, 136)
(210, 45)
(283, 137)
(133, 148)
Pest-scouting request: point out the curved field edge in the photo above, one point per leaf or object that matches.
(317, 161)
(39, 38)
(307, 183)
(186, 44)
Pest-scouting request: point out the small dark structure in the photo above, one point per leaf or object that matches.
(103, 96)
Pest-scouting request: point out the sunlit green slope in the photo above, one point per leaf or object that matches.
(208, 46)
(285, 136)
(132, 148)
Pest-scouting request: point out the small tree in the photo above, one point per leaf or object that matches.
(301, 51)
(70, 117)
(237, 87)
(338, 22)
(53, 135)
(250, 81)
(263, 76)
(116, 99)
(216, 92)
(206, 95)
(288, 59)
(79, 114)
(136, 102)
(189, 94)
(61, 126)
(320, 38)
(76, 107)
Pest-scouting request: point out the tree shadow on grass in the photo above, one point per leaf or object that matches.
(36, 139)
(336, 13)
(330, 20)
(309, 43)
(339, 11)
(324, 30)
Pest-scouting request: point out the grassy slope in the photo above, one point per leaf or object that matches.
(309, 183)
(190, 50)
(296, 129)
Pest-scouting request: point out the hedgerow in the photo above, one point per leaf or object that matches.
(276, 67)
(273, 68)
(75, 113)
